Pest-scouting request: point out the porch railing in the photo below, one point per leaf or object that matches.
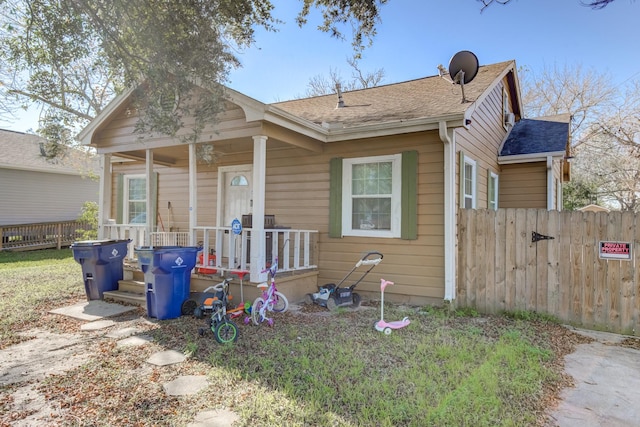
(223, 250)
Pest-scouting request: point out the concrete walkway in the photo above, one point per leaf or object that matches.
(607, 384)
(97, 314)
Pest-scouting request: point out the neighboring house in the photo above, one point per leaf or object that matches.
(36, 189)
(380, 169)
(594, 208)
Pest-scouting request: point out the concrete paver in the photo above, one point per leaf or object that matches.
(92, 310)
(167, 357)
(185, 385)
(607, 385)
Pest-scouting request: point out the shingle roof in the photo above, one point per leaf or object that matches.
(23, 151)
(421, 98)
(540, 135)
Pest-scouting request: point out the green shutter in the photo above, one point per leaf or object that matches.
(335, 197)
(119, 198)
(409, 199)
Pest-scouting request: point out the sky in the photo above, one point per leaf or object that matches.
(415, 36)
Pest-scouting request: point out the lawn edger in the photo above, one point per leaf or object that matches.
(334, 295)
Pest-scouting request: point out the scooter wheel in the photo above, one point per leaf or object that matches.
(387, 331)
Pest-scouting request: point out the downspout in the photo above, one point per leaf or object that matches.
(549, 183)
(447, 136)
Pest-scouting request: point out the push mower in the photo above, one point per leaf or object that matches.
(333, 295)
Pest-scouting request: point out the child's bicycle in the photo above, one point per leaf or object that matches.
(223, 328)
(271, 299)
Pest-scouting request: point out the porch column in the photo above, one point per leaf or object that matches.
(104, 194)
(150, 211)
(257, 254)
(193, 193)
(447, 136)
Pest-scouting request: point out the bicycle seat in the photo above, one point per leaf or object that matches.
(263, 285)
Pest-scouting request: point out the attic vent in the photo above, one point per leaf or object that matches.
(340, 100)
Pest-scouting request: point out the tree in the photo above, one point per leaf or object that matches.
(585, 95)
(594, 4)
(71, 57)
(322, 85)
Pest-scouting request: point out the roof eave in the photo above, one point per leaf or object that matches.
(529, 158)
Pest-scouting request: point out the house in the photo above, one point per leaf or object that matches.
(37, 188)
(321, 181)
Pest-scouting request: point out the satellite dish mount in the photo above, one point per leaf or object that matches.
(463, 68)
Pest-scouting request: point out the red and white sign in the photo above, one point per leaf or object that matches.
(615, 250)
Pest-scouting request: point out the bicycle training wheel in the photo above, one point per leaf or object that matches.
(226, 332)
(256, 317)
(282, 303)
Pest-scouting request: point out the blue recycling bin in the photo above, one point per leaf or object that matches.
(102, 264)
(167, 277)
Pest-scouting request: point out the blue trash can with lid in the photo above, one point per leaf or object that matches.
(167, 277)
(102, 264)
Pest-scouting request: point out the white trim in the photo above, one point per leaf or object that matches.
(550, 198)
(474, 184)
(493, 175)
(347, 197)
(530, 158)
(193, 192)
(450, 250)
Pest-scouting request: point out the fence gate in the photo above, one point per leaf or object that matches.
(577, 266)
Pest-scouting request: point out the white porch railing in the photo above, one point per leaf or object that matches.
(223, 250)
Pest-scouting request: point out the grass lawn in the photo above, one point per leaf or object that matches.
(312, 368)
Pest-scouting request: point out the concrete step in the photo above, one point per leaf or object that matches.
(128, 297)
(133, 286)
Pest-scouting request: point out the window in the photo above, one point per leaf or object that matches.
(467, 182)
(371, 196)
(364, 202)
(239, 181)
(135, 196)
(505, 108)
(492, 191)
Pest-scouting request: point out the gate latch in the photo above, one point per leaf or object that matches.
(536, 237)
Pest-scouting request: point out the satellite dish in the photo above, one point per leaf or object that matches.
(463, 68)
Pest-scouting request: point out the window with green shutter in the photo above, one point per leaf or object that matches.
(374, 196)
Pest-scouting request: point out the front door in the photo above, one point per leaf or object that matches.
(236, 197)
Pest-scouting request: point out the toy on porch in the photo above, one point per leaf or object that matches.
(382, 325)
(332, 296)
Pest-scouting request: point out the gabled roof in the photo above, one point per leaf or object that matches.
(23, 151)
(424, 98)
(544, 135)
(415, 105)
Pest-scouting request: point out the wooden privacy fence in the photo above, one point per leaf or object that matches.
(504, 266)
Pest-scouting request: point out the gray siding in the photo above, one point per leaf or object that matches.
(28, 197)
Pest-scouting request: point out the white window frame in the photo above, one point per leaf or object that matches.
(474, 185)
(347, 202)
(505, 107)
(125, 195)
(492, 199)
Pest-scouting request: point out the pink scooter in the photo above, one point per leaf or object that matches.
(383, 326)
